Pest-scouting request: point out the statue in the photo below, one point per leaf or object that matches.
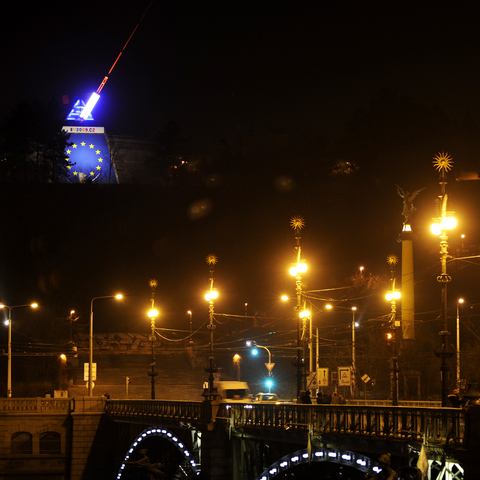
(408, 207)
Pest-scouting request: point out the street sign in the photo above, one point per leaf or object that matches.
(269, 366)
(344, 379)
(85, 372)
(366, 378)
(312, 381)
(322, 375)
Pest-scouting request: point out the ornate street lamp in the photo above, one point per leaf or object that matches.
(297, 269)
(354, 366)
(444, 222)
(210, 296)
(9, 323)
(153, 313)
(90, 364)
(392, 297)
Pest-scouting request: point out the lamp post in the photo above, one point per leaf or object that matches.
(392, 297)
(296, 270)
(153, 313)
(210, 296)
(90, 347)
(236, 361)
(444, 222)
(191, 326)
(459, 302)
(354, 367)
(9, 363)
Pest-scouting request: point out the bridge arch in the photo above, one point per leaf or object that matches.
(319, 454)
(152, 439)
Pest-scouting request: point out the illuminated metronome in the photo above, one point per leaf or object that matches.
(88, 156)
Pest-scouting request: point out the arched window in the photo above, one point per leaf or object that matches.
(21, 443)
(50, 443)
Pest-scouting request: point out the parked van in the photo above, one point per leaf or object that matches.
(234, 392)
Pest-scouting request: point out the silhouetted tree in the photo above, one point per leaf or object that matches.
(32, 144)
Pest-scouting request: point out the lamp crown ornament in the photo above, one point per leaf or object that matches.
(442, 162)
(297, 222)
(211, 259)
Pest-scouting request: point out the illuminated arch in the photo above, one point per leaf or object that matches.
(332, 455)
(187, 468)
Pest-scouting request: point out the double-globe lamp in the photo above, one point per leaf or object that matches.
(9, 323)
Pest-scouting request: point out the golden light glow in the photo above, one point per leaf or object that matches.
(304, 314)
(442, 162)
(297, 222)
(211, 259)
(118, 296)
(34, 305)
(153, 283)
(393, 296)
(211, 295)
(461, 300)
(153, 313)
(284, 298)
(392, 259)
(446, 223)
(298, 268)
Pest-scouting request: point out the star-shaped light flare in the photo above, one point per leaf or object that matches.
(297, 222)
(443, 161)
(211, 259)
(392, 259)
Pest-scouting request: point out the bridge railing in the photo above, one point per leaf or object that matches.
(159, 409)
(433, 425)
(35, 405)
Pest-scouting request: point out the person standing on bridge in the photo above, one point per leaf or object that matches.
(387, 472)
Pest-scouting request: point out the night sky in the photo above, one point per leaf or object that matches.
(225, 70)
(218, 67)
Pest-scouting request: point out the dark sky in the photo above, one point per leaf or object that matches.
(227, 69)
(222, 67)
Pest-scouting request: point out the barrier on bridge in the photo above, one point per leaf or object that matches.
(444, 426)
(35, 405)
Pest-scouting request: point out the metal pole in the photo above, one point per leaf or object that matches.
(353, 352)
(9, 380)
(458, 342)
(9, 359)
(90, 346)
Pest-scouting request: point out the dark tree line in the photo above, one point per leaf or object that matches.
(32, 144)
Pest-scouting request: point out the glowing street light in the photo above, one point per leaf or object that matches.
(443, 222)
(296, 270)
(210, 296)
(191, 326)
(236, 361)
(90, 347)
(9, 323)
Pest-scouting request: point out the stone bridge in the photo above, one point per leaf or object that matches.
(90, 438)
